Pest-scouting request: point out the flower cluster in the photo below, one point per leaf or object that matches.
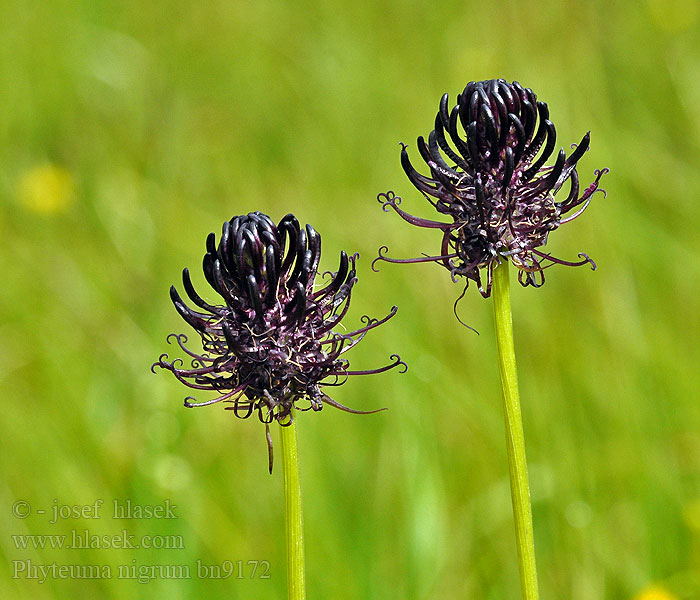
(271, 347)
(486, 158)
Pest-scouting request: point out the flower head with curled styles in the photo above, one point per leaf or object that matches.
(487, 172)
(271, 347)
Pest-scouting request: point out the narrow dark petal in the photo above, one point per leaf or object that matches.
(420, 181)
(352, 275)
(241, 253)
(436, 156)
(304, 273)
(529, 118)
(315, 247)
(553, 177)
(521, 135)
(530, 95)
(211, 243)
(463, 102)
(338, 280)
(473, 141)
(504, 88)
(504, 124)
(193, 295)
(208, 269)
(482, 94)
(469, 90)
(580, 149)
(570, 201)
(272, 275)
(438, 135)
(253, 253)
(297, 307)
(536, 143)
(519, 89)
(234, 224)
(223, 251)
(424, 151)
(222, 288)
(444, 113)
(446, 180)
(549, 147)
(197, 320)
(299, 260)
(491, 134)
(290, 228)
(517, 97)
(270, 239)
(263, 223)
(508, 170)
(474, 104)
(454, 134)
(254, 296)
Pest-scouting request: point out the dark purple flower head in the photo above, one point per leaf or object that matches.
(271, 346)
(486, 158)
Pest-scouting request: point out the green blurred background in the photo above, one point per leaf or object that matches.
(130, 130)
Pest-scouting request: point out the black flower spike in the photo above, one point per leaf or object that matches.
(270, 347)
(486, 158)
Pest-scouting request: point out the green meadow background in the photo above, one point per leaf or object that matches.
(130, 130)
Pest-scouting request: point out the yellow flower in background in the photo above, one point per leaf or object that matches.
(655, 592)
(46, 189)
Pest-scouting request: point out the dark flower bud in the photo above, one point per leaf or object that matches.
(271, 346)
(486, 158)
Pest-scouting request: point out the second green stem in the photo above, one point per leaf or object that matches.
(296, 584)
(515, 439)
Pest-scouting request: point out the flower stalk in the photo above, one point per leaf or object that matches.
(489, 179)
(515, 439)
(294, 518)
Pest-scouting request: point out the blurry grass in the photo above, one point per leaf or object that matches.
(168, 118)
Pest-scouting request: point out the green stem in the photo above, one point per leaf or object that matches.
(296, 585)
(515, 440)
